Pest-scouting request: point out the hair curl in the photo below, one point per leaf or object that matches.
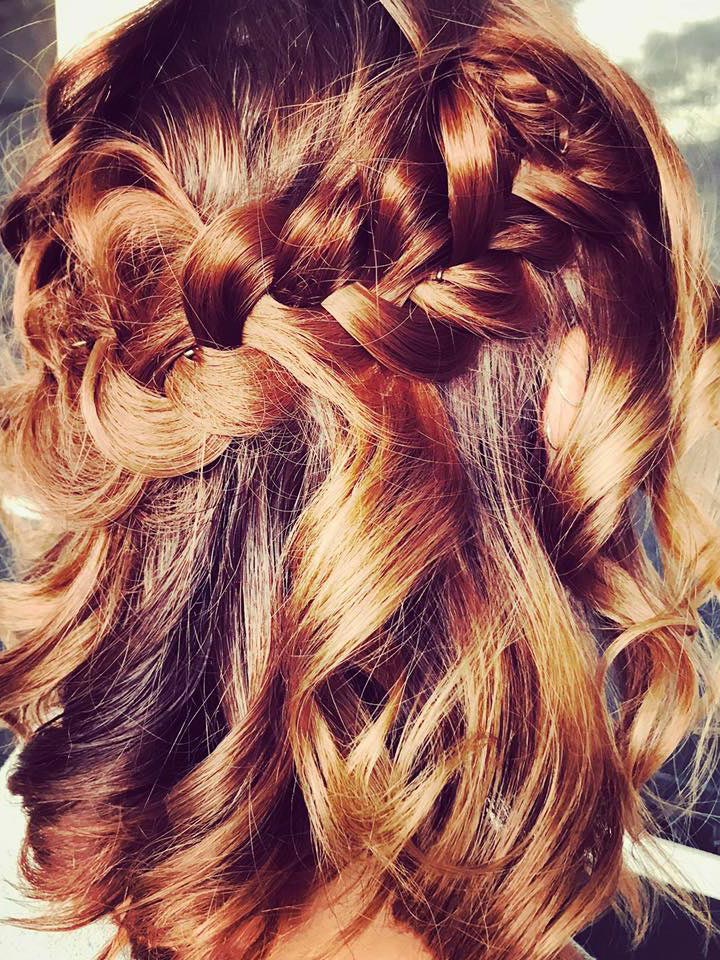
(310, 592)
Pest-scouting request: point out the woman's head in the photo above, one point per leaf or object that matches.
(313, 589)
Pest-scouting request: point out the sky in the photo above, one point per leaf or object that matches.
(621, 26)
(77, 19)
(618, 26)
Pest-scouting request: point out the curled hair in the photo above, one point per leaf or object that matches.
(310, 593)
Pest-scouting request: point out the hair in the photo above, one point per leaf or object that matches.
(308, 590)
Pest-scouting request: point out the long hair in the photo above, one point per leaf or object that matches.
(309, 592)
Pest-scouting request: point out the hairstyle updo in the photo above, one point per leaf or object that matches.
(309, 589)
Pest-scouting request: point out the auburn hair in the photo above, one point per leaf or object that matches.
(308, 591)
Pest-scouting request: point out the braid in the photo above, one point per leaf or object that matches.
(509, 218)
(206, 288)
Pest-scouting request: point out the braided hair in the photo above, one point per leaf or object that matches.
(308, 591)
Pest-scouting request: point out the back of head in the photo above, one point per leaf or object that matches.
(311, 590)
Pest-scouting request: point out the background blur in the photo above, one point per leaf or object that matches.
(672, 48)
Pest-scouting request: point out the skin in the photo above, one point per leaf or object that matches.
(384, 938)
